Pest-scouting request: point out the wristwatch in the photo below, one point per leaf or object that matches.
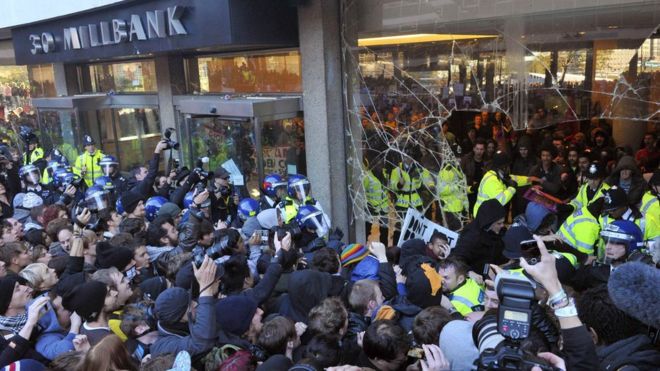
(568, 310)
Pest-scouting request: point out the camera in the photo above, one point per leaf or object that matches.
(214, 252)
(499, 336)
(171, 144)
(292, 228)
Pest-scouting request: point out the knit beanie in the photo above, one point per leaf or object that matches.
(112, 256)
(171, 305)
(233, 314)
(87, 300)
(170, 210)
(352, 254)
(32, 200)
(153, 287)
(7, 285)
(423, 286)
(130, 200)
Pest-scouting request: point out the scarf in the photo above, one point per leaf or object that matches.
(14, 323)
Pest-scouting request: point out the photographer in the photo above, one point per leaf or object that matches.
(143, 179)
(224, 198)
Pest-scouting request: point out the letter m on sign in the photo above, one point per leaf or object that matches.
(71, 38)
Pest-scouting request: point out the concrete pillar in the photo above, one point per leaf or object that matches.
(320, 49)
(164, 84)
(59, 74)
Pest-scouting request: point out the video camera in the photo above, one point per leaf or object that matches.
(167, 137)
(292, 228)
(214, 252)
(499, 336)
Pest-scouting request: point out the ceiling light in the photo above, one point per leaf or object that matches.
(417, 38)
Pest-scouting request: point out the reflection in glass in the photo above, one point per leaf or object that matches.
(129, 77)
(283, 143)
(57, 130)
(42, 80)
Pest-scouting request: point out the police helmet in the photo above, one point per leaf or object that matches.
(299, 187)
(109, 164)
(247, 207)
(30, 173)
(105, 183)
(88, 140)
(595, 170)
(271, 183)
(153, 205)
(623, 232)
(96, 198)
(312, 218)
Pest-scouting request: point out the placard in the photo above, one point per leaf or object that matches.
(235, 175)
(275, 160)
(415, 225)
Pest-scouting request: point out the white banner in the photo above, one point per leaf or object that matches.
(415, 225)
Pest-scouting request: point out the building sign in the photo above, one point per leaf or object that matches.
(159, 24)
(275, 160)
(138, 28)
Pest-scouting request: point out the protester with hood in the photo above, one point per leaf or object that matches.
(480, 242)
(177, 328)
(238, 320)
(307, 289)
(626, 175)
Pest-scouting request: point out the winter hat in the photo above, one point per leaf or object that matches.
(172, 305)
(423, 286)
(67, 283)
(7, 285)
(25, 365)
(153, 287)
(353, 253)
(367, 269)
(87, 299)
(512, 239)
(112, 256)
(534, 215)
(169, 209)
(233, 314)
(457, 345)
(32, 200)
(130, 200)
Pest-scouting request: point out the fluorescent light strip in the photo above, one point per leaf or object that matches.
(417, 38)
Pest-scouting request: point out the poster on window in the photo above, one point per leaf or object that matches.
(415, 225)
(275, 160)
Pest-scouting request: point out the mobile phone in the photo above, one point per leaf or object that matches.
(529, 250)
(264, 236)
(485, 272)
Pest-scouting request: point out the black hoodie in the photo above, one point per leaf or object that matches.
(478, 246)
(307, 289)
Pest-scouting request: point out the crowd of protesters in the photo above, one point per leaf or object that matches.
(101, 270)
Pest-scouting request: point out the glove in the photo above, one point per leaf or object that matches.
(510, 182)
(565, 208)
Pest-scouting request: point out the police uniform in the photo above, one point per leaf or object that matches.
(407, 195)
(32, 157)
(581, 231)
(452, 199)
(91, 162)
(492, 187)
(468, 297)
(375, 194)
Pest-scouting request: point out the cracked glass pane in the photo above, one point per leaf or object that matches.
(420, 74)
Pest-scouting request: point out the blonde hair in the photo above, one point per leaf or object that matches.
(35, 274)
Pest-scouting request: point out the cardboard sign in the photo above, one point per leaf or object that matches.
(415, 225)
(275, 160)
(235, 175)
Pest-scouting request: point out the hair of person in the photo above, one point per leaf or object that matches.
(428, 323)
(159, 363)
(105, 276)
(275, 334)
(135, 169)
(459, 266)
(362, 292)
(437, 235)
(35, 237)
(35, 274)
(329, 317)
(233, 237)
(37, 251)
(66, 361)
(10, 250)
(205, 227)
(323, 351)
(51, 212)
(236, 271)
(37, 212)
(481, 141)
(55, 226)
(59, 263)
(109, 354)
(131, 225)
(597, 311)
(385, 340)
(169, 264)
(156, 231)
(326, 260)
(133, 316)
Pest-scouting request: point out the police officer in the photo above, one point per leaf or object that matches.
(453, 198)
(593, 188)
(465, 294)
(274, 191)
(650, 207)
(31, 177)
(615, 207)
(87, 164)
(376, 197)
(581, 229)
(498, 183)
(55, 160)
(33, 154)
(299, 191)
(110, 168)
(406, 181)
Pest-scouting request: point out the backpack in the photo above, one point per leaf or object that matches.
(229, 358)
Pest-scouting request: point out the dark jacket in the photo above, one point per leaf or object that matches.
(266, 286)
(636, 351)
(477, 246)
(145, 187)
(470, 170)
(307, 288)
(579, 349)
(202, 333)
(21, 349)
(551, 178)
(636, 190)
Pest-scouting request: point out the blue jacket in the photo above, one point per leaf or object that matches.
(53, 340)
(202, 333)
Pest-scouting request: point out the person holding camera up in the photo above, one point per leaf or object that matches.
(87, 164)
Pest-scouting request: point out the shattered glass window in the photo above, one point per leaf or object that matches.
(419, 72)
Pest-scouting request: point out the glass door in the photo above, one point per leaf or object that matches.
(222, 140)
(57, 129)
